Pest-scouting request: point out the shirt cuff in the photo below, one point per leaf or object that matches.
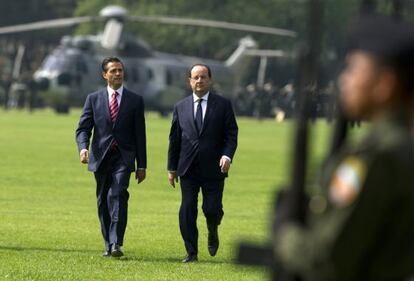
(141, 169)
(82, 151)
(226, 157)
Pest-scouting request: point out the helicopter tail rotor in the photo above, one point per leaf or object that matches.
(112, 34)
(245, 44)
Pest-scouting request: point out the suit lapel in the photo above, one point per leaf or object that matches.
(105, 98)
(211, 102)
(189, 112)
(124, 103)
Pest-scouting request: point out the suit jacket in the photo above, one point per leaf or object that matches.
(128, 130)
(218, 137)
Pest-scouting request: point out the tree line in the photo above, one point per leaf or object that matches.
(193, 41)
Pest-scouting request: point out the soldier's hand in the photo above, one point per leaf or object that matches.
(84, 156)
(172, 178)
(284, 210)
(140, 175)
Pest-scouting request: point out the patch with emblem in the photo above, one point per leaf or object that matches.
(347, 181)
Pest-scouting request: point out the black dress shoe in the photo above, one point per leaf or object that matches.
(190, 258)
(106, 254)
(213, 239)
(116, 251)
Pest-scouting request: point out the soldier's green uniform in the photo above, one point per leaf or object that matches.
(361, 227)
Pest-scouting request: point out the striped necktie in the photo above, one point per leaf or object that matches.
(113, 107)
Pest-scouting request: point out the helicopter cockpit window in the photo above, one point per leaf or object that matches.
(53, 63)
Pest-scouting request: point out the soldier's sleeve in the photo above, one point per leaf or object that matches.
(338, 239)
(306, 251)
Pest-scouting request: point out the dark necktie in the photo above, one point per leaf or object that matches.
(113, 107)
(199, 116)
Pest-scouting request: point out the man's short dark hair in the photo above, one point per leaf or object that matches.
(109, 60)
(390, 43)
(199, 64)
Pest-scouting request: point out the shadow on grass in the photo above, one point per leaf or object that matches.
(21, 249)
(175, 260)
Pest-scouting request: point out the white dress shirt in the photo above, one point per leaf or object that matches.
(203, 103)
(111, 91)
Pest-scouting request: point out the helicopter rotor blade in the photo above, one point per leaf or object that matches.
(65, 22)
(47, 24)
(266, 53)
(215, 24)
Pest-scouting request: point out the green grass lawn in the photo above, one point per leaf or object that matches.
(49, 228)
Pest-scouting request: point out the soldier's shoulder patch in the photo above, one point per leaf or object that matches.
(347, 181)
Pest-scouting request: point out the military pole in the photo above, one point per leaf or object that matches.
(294, 196)
(397, 9)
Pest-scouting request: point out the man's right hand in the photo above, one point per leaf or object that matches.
(84, 156)
(172, 178)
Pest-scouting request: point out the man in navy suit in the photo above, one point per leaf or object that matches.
(203, 140)
(116, 117)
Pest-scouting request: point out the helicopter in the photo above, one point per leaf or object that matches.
(70, 71)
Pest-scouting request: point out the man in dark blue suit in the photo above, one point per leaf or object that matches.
(203, 140)
(116, 117)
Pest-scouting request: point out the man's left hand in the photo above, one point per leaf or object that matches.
(224, 164)
(140, 175)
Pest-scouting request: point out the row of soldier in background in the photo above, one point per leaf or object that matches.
(17, 86)
(280, 102)
(270, 101)
(19, 94)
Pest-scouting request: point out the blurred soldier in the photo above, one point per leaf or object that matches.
(328, 100)
(203, 140)
(116, 116)
(362, 225)
(287, 99)
(6, 84)
(32, 88)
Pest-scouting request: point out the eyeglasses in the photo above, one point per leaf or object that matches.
(202, 77)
